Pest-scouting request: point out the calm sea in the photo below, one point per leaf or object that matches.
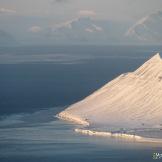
(38, 82)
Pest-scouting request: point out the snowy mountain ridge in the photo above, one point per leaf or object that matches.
(132, 100)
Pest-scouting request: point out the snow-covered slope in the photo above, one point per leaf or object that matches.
(132, 100)
(147, 29)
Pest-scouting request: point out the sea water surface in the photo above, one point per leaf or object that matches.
(38, 82)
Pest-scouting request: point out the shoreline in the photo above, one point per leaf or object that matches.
(68, 117)
(135, 138)
(107, 134)
(76, 120)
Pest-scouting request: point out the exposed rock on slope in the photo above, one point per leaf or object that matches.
(132, 100)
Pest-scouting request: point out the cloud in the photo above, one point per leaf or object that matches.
(87, 13)
(7, 11)
(35, 29)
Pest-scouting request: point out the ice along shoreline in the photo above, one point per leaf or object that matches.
(76, 120)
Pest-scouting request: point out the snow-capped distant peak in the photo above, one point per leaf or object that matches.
(69, 23)
(94, 28)
(66, 24)
(97, 28)
(147, 29)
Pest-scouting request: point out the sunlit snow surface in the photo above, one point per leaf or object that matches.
(131, 104)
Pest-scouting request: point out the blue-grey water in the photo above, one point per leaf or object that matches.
(38, 82)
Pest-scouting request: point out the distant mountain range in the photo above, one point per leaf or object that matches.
(147, 29)
(83, 30)
(87, 30)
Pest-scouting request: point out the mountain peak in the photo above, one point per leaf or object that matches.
(151, 69)
(156, 57)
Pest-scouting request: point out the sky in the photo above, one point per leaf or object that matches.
(60, 10)
(36, 19)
